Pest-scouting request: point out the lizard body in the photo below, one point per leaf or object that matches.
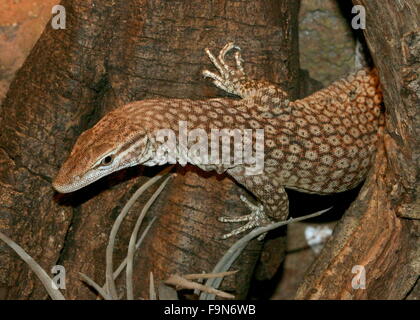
(321, 144)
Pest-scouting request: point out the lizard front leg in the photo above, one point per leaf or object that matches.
(255, 219)
(273, 206)
(235, 81)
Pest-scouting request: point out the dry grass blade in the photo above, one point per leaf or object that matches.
(96, 286)
(235, 250)
(139, 242)
(102, 290)
(133, 238)
(152, 291)
(55, 294)
(187, 284)
(196, 276)
(110, 283)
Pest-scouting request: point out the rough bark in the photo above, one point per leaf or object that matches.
(21, 24)
(379, 231)
(112, 53)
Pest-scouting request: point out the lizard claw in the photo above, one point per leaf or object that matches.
(228, 76)
(256, 218)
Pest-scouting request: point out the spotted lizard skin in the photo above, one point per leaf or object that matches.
(321, 144)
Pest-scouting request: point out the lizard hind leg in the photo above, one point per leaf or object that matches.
(273, 206)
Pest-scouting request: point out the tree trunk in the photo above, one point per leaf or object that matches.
(379, 232)
(112, 53)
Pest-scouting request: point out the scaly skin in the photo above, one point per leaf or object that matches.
(321, 144)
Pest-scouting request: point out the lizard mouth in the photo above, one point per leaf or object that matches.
(67, 187)
(63, 185)
(63, 189)
(78, 182)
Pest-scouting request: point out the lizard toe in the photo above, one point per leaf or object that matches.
(256, 218)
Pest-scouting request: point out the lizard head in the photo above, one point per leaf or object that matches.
(112, 144)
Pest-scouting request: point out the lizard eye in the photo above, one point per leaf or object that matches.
(107, 160)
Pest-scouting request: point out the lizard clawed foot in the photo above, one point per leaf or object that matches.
(228, 75)
(257, 218)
